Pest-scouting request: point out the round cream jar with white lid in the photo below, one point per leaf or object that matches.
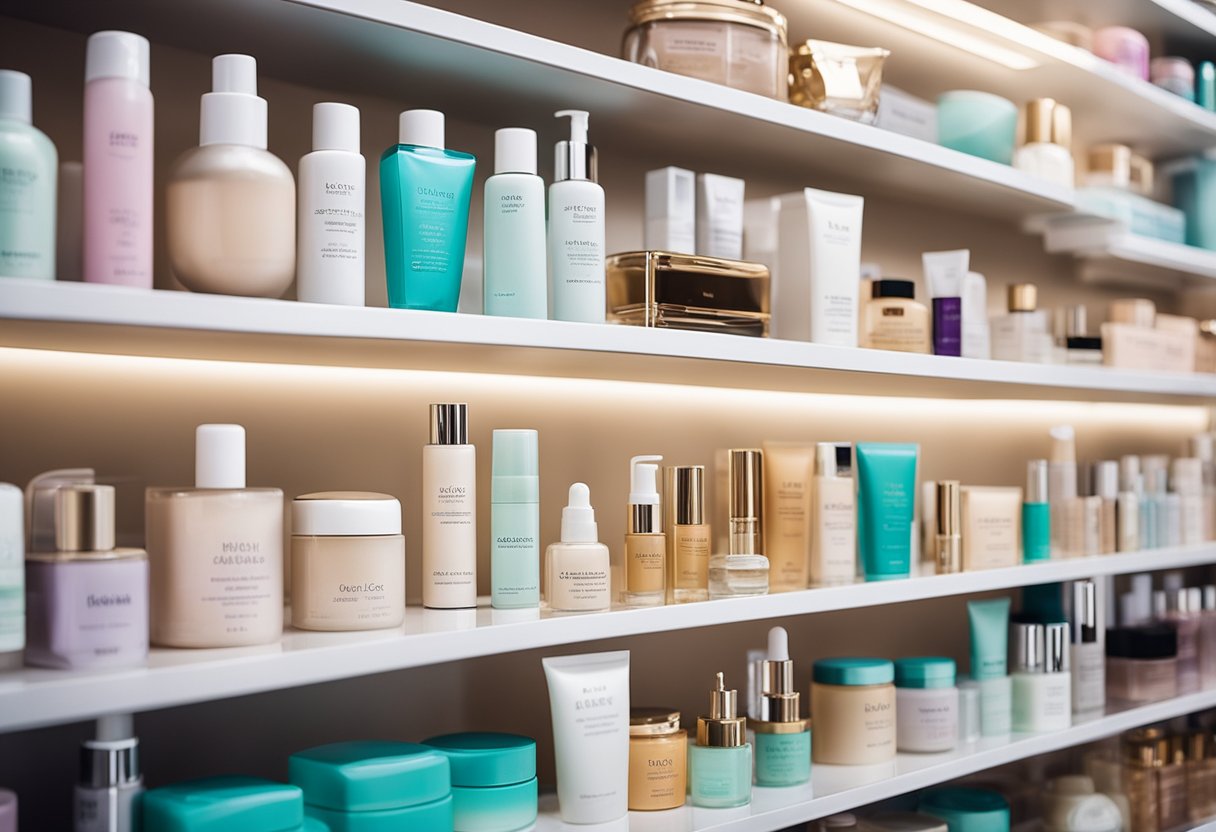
(347, 561)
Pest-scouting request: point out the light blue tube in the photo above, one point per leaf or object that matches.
(886, 489)
(989, 638)
(515, 520)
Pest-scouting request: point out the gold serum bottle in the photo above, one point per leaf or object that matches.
(645, 543)
(687, 534)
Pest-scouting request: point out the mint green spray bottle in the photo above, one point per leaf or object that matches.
(515, 520)
(28, 169)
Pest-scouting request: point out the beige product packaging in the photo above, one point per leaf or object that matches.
(788, 470)
(1131, 347)
(992, 527)
(684, 523)
(893, 320)
(853, 705)
(833, 516)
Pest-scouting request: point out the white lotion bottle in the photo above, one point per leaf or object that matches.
(514, 283)
(578, 570)
(1046, 154)
(332, 209)
(449, 511)
(576, 228)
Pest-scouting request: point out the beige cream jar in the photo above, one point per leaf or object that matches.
(347, 561)
(853, 705)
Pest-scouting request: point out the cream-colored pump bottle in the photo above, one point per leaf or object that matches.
(449, 511)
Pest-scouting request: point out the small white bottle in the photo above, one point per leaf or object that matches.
(1088, 651)
(577, 570)
(1022, 335)
(449, 511)
(332, 207)
(514, 252)
(1042, 684)
(1046, 153)
(576, 228)
(110, 782)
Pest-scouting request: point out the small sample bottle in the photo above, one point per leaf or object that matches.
(893, 320)
(515, 520)
(687, 534)
(107, 794)
(658, 760)
(743, 571)
(578, 569)
(720, 764)
(1036, 514)
(118, 151)
(424, 198)
(948, 542)
(12, 575)
(833, 516)
(218, 533)
(1045, 153)
(576, 228)
(926, 705)
(30, 164)
(853, 703)
(1088, 652)
(645, 543)
(1127, 510)
(332, 212)
(230, 208)
(514, 283)
(1022, 334)
(449, 511)
(1104, 479)
(87, 602)
(1042, 689)
(782, 736)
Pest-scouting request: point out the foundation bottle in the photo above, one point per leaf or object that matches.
(658, 760)
(782, 736)
(1105, 487)
(1042, 684)
(1045, 152)
(449, 511)
(217, 534)
(833, 516)
(1200, 775)
(687, 534)
(645, 543)
(948, 543)
(1036, 514)
(744, 570)
(1088, 652)
(853, 705)
(578, 569)
(893, 320)
(720, 764)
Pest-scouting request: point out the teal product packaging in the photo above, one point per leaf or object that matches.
(1036, 514)
(967, 809)
(226, 804)
(886, 504)
(515, 520)
(782, 736)
(30, 166)
(515, 249)
(989, 624)
(494, 786)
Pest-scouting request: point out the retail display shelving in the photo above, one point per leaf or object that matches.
(1107, 252)
(31, 697)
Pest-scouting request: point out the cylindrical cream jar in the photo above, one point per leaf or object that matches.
(658, 759)
(853, 705)
(347, 561)
(926, 705)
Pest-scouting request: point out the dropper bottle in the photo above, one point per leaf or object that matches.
(645, 542)
(720, 764)
(783, 738)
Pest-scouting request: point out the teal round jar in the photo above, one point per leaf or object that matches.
(967, 810)
(493, 780)
(226, 804)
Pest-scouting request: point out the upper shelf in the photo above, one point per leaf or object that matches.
(1108, 253)
(80, 317)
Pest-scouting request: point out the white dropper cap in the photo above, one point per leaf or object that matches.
(778, 645)
(515, 150)
(232, 113)
(219, 456)
(643, 481)
(335, 127)
(421, 128)
(16, 96)
(578, 517)
(116, 55)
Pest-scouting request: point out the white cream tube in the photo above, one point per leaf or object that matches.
(589, 704)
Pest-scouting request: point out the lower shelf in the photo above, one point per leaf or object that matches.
(835, 789)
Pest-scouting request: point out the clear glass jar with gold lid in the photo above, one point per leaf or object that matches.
(658, 759)
(738, 43)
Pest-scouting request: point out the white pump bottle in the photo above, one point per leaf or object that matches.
(576, 228)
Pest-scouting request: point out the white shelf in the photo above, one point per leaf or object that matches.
(1110, 254)
(1173, 25)
(32, 697)
(80, 317)
(836, 789)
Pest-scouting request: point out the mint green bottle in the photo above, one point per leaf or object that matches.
(720, 764)
(424, 197)
(782, 736)
(1036, 514)
(28, 169)
(515, 520)
(515, 250)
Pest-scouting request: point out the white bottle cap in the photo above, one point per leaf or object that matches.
(335, 127)
(578, 517)
(16, 96)
(515, 150)
(644, 488)
(219, 456)
(232, 113)
(421, 128)
(116, 55)
(778, 645)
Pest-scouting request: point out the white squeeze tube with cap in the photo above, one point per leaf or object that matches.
(514, 284)
(577, 570)
(576, 228)
(329, 253)
(645, 542)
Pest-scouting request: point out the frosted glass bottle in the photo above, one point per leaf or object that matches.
(118, 148)
(231, 205)
(28, 167)
(514, 284)
(576, 228)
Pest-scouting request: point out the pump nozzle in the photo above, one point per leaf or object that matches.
(575, 157)
(578, 123)
(644, 494)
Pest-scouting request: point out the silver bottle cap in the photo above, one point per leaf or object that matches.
(1036, 481)
(1084, 612)
(1104, 479)
(449, 424)
(1028, 648)
(108, 763)
(1056, 648)
(1209, 598)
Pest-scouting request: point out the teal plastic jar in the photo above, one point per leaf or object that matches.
(226, 804)
(978, 123)
(966, 809)
(493, 780)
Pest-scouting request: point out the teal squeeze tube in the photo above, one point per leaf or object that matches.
(886, 488)
(1036, 514)
(989, 638)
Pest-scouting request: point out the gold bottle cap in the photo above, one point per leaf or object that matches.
(1023, 297)
(1141, 174)
(1039, 115)
(84, 518)
(1115, 159)
(653, 722)
(746, 501)
(948, 553)
(686, 494)
(1061, 126)
(723, 728)
(1140, 312)
(1199, 745)
(1146, 748)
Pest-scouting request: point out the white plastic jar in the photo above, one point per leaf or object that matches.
(926, 705)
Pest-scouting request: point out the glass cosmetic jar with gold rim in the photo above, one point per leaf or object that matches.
(658, 759)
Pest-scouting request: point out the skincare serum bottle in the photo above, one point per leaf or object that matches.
(515, 520)
(1088, 650)
(449, 511)
(833, 516)
(1036, 514)
(576, 228)
(743, 570)
(645, 543)
(783, 737)
(687, 534)
(111, 779)
(230, 207)
(29, 164)
(720, 764)
(424, 197)
(578, 569)
(514, 283)
(1042, 689)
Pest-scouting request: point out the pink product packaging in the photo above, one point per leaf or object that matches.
(1126, 48)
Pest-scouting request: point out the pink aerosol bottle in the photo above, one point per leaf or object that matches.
(117, 161)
